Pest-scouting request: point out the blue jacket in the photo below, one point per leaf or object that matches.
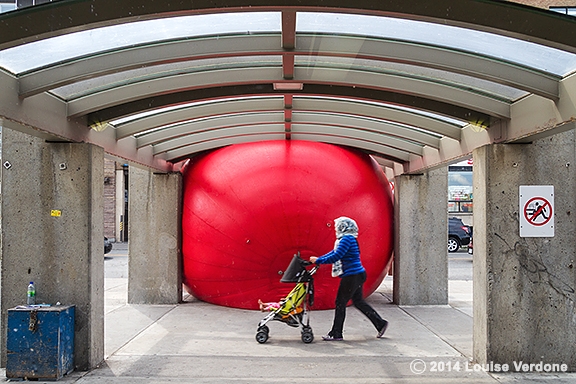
(347, 251)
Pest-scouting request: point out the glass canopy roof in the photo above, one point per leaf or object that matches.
(504, 48)
(46, 52)
(85, 43)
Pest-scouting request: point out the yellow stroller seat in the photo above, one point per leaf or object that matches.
(293, 309)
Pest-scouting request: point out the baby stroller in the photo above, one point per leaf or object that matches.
(293, 308)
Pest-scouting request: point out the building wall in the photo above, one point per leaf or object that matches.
(547, 3)
(110, 198)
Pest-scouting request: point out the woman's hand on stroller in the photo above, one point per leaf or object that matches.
(313, 259)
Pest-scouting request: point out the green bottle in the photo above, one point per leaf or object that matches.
(31, 298)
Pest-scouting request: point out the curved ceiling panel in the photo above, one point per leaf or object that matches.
(413, 52)
(387, 119)
(206, 136)
(181, 129)
(108, 62)
(358, 96)
(201, 110)
(433, 123)
(435, 89)
(182, 153)
(302, 129)
(404, 132)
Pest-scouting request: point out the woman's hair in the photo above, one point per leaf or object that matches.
(345, 226)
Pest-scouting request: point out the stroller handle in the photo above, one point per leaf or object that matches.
(297, 269)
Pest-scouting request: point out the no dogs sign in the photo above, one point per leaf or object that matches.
(536, 211)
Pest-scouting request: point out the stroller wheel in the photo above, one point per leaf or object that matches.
(307, 335)
(261, 336)
(264, 328)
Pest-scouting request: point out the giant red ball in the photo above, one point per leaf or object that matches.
(248, 208)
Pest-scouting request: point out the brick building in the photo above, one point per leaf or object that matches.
(548, 4)
(115, 200)
(110, 198)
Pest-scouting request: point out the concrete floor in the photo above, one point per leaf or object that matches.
(196, 342)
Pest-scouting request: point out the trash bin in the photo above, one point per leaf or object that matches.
(40, 342)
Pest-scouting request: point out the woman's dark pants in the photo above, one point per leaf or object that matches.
(351, 289)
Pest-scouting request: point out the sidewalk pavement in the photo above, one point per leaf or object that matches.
(196, 342)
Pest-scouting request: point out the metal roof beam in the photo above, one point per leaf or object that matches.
(217, 122)
(134, 91)
(323, 90)
(372, 147)
(187, 128)
(444, 58)
(350, 107)
(397, 145)
(415, 86)
(419, 87)
(184, 152)
(381, 127)
(470, 64)
(146, 55)
(256, 104)
(262, 130)
(331, 112)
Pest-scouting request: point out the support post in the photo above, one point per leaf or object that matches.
(155, 273)
(421, 233)
(52, 233)
(524, 287)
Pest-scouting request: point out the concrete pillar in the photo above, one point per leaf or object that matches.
(421, 233)
(52, 233)
(524, 287)
(154, 233)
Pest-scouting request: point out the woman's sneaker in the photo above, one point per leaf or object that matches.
(332, 338)
(382, 330)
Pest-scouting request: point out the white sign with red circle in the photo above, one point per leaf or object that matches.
(536, 211)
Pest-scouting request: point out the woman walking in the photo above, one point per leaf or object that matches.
(345, 258)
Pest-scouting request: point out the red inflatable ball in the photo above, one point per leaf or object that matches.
(248, 208)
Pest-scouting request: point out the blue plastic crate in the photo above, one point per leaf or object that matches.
(40, 342)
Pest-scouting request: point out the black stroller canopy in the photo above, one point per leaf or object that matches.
(295, 271)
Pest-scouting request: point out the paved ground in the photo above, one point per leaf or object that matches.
(195, 342)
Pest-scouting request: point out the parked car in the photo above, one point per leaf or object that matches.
(107, 245)
(459, 234)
